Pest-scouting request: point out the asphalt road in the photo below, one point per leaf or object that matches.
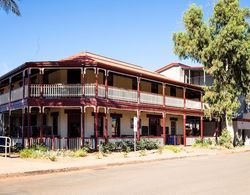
(221, 174)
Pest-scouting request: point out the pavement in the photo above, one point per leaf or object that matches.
(16, 167)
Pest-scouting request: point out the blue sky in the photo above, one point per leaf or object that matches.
(135, 31)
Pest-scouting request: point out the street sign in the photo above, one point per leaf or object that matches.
(135, 124)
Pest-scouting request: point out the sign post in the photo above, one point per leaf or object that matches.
(135, 131)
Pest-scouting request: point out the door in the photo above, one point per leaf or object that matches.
(154, 124)
(100, 126)
(74, 125)
(173, 127)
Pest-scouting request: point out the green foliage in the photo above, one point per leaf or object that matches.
(80, 153)
(203, 143)
(225, 139)
(222, 45)
(127, 146)
(172, 148)
(10, 5)
(147, 144)
(26, 153)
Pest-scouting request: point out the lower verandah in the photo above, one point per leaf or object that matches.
(63, 126)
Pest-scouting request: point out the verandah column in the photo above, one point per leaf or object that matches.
(40, 78)
(29, 127)
(163, 94)
(106, 126)
(41, 122)
(184, 129)
(23, 125)
(96, 127)
(164, 127)
(138, 125)
(96, 82)
(83, 124)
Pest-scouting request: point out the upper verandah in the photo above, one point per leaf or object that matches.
(91, 59)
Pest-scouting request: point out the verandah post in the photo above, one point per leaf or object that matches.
(164, 127)
(184, 130)
(41, 123)
(96, 127)
(138, 125)
(83, 124)
(106, 126)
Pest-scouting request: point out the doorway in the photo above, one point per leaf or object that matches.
(74, 125)
(154, 125)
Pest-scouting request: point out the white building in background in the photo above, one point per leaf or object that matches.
(196, 75)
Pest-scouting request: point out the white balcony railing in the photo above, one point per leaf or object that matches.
(101, 91)
(174, 102)
(60, 90)
(89, 89)
(122, 94)
(4, 98)
(149, 98)
(35, 90)
(193, 104)
(17, 94)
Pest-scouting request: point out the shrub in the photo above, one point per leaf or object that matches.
(172, 148)
(147, 144)
(203, 143)
(80, 153)
(26, 153)
(160, 150)
(225, 139)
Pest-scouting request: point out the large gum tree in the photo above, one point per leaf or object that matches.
(222, 45)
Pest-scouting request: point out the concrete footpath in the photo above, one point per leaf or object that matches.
(16, 167)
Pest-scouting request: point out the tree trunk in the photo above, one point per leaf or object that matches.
(229, 127)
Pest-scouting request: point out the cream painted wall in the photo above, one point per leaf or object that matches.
(125, 122)
(179, 123)
(62, 121)
(89, 122)
(176, 73)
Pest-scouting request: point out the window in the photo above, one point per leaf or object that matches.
(134, 84)
(116, 127)
(154, 88)
(110, 79)
(173, 91)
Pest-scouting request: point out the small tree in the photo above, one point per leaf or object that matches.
(222, 45)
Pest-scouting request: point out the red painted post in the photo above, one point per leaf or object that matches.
(41, 122)
(83, 125)
(184, 129)
(29, 127)
(164, 127)
(96, 128)
(106, 127)
(138, 89)
(106, 84)
(184, 96)
(138, 125)
(23, 125)
(96, 83)
(41, 72)
(82, 81)
(163, 94)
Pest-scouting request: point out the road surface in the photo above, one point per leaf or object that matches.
(220, 174)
